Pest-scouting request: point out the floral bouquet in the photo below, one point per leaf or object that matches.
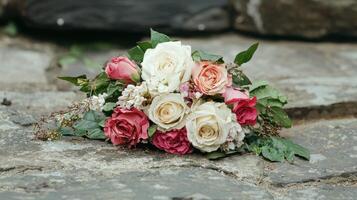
(164, 95)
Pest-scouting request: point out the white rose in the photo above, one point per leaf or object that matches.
(208, 126)
(168, 111)
(166, 66)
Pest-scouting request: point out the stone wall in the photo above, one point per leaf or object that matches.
(293, 18)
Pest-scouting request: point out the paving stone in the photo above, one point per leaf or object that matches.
(38, 103)
(333, 152)
(324, 192)
(310, 74)
(174, 183)
(23, 69)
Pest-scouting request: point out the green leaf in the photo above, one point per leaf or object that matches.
(77, 80)
(96, 134)
(265, 92)
(66, 131)
(296, 149)
(246, 55)
(102, 123)
(99, 84)
(157, 38)
(215, 155)
(257, 84)
(109, 106)
(89, 125)
(204, 56)
(136, 54)
(239, 78)
(152, 130)
(280, 117)
(273, 154)
(145, 45)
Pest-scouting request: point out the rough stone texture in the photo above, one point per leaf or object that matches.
(333, 152)
(23, 65)
(322, 74)
(128, 16)
(301, 18)
(323, 192)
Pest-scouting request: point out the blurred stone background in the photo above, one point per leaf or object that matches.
(312, 19)
(307, 49)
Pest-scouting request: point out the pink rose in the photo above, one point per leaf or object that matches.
(211, 78)
(174, 141)
(243, 106)
(127, 127)
(121, 68)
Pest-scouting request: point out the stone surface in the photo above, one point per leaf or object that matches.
(333, 152)
(173, 183)
(23, 65)
(324, 192)
(128, 16)
(37, 103)
(298, 18)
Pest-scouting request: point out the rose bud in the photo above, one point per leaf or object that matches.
(123, 69)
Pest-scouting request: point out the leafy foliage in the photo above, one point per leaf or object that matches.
(137, 53)
(239, 78)
(96, 86)
(204, 56)
(246, 55)
(275, 148)
(270, 103)
(88, 126)
(157, 38)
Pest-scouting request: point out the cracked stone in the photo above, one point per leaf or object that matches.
(163, 183)
(333, 152)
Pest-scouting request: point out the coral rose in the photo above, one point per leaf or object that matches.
(174, 141)
(243, 106)
(121, 68)
(127, 127)
(211, 78)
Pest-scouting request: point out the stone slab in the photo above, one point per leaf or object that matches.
(23, 65)
(323, 192)
(173, 183)
(333, 152)
(39, 103)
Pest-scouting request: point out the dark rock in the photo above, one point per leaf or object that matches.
(301, 18)
(128, 16)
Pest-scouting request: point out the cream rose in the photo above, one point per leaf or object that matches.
(208, 126)
(166, 66)
(168, 111)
